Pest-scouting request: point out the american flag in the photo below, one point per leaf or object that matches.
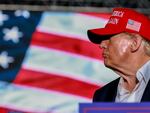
(133, 25)
(47, 64)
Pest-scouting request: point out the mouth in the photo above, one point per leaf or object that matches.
(104, 55)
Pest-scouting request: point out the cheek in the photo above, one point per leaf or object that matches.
(121, 48)
(119, 52)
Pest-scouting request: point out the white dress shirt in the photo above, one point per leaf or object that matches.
(143, 76)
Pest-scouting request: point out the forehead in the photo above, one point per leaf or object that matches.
(120, 36)
(117, 37)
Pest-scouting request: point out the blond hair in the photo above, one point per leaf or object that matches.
(146, 46)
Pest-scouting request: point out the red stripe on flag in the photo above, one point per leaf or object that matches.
(3, 110)
(10, 110)
(68, 44)
(55, 82)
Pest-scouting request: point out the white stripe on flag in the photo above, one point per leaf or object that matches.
(37, 100)
(69, 24)
(67, 64)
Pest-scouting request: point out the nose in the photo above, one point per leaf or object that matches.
(103, 44)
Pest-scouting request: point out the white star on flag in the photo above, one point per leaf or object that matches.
(12, 34)
(5, 59)
(23, 13)
(3, 18)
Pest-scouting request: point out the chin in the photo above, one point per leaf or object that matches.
(107, 64)
(110, 66)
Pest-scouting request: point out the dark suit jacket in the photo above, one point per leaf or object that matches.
(108, 92)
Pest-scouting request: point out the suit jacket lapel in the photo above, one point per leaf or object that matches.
(146, 95)
(113, 90)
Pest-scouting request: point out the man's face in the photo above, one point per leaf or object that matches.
(116, 50)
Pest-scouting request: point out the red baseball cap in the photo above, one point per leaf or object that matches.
(122, 20)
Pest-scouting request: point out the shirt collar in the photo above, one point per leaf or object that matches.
(144, 72)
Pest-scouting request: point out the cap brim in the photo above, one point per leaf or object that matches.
(100, 34)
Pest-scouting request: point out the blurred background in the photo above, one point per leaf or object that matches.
(47, 64)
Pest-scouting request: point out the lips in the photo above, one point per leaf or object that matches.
(105, 54)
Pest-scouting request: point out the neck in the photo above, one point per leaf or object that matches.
(130, 83)
(128, 72)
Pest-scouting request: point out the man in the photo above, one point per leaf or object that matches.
(125, 41)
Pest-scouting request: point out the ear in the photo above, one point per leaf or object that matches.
(136, 42)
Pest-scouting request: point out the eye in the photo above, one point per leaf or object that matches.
(110, 40)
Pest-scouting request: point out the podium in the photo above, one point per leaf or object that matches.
(114, 107)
